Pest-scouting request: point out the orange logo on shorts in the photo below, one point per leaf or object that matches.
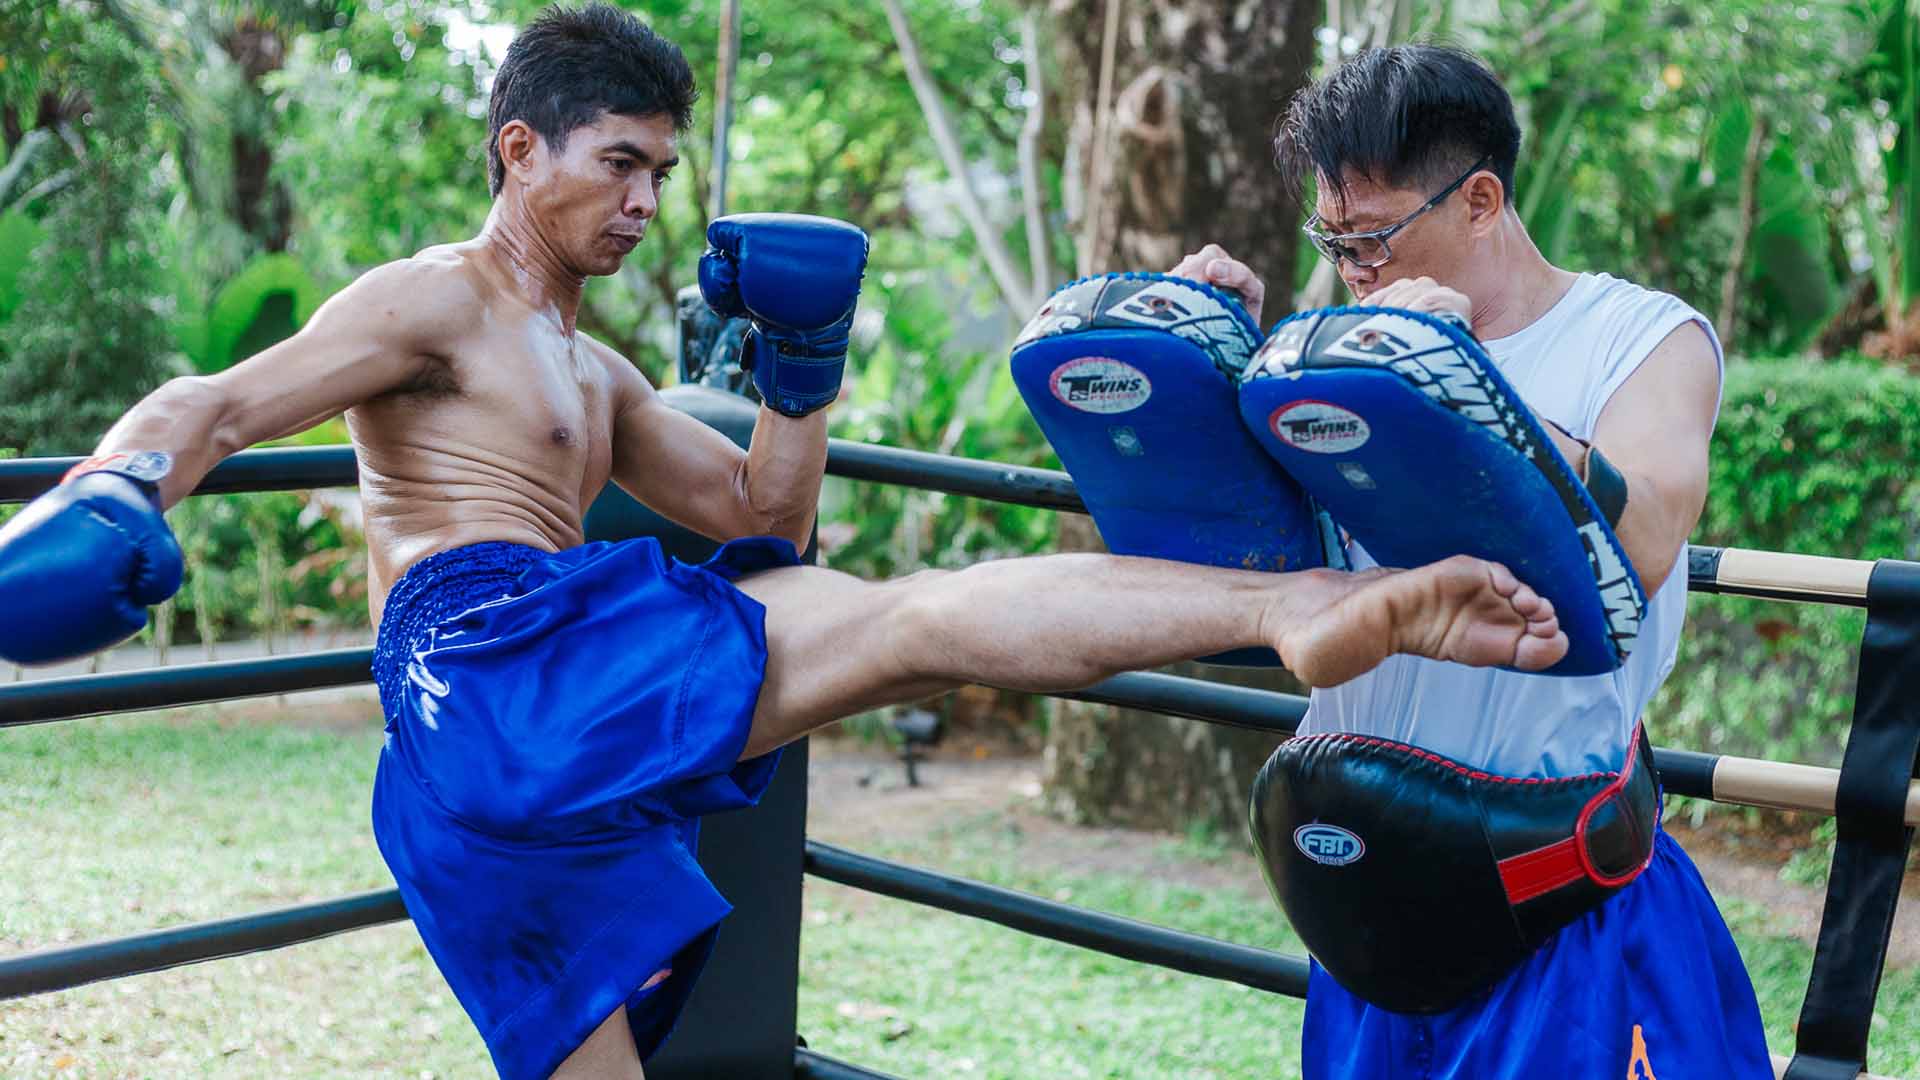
(1638, 1067)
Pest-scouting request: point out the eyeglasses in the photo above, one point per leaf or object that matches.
(1370, 248)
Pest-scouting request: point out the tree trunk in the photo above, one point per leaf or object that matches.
(1197, 88)
(1187, 159)
(261, 204)
(1735, 277)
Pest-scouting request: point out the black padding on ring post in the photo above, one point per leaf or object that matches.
(740, 1022)
(1863, 887)
(1685, 772)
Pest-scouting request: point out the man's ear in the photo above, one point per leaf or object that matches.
(519, 145)
(1486, 198)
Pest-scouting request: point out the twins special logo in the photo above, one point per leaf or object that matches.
(1319, 427)
(1099, 384)
(1329, 845)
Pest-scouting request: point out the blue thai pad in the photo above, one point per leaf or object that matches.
(1399, 425)
(1130, 377)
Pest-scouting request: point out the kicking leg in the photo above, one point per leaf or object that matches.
(838, 645)
(1465, 610)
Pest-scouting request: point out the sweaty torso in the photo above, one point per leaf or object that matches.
(505, 433)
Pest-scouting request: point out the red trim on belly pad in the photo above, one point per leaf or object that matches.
(1541, 870)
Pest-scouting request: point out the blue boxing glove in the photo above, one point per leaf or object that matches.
(797, 277)
(80, 564)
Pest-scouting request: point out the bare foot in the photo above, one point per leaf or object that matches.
(1463, 609)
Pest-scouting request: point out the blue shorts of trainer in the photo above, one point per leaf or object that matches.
(556, 724)
(1647, 986)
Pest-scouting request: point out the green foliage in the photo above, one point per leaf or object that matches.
(19, 236)
(257, 307)
(293, 545)
(913, 390)
(823, 123)
(88, 336)
(381, 137)
(1635, 152)
(1810, 458)
(1892, 75)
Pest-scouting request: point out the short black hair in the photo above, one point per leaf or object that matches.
(571, 65)
(1405, 116)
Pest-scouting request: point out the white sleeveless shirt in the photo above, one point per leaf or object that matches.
(1565, 365)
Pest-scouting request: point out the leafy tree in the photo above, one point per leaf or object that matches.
(1890, 86)
(382, 138)
(1699, 150)
(1188, 162)
(88, 332)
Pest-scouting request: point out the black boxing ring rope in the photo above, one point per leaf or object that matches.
(1683, 772)
(1879, 587)
(1128, 939)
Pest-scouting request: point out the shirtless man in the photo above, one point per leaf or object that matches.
(559, 714)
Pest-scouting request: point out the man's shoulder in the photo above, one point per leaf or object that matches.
(437, 293)
(1630, 298)
(448, 274)
(1620, 319)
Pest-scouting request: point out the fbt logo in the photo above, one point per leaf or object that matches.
(1329, 845)
(1319, 427)
(1099, 384)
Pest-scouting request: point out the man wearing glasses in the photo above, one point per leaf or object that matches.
(1412, 151)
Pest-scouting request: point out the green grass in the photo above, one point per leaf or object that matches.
(131, 823)
(119, 825)
(921, 993)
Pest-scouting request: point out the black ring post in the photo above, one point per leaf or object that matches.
(1863, 887)
(742, 1019)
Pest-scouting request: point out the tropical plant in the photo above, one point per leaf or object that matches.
(83, 269)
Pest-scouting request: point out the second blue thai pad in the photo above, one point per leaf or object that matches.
(1400, 426)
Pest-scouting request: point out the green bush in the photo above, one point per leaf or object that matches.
(85, 285)
(266, 562)
(914, 389)
(1809, 457)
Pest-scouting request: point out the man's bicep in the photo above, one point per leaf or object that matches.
(374, 336)
(677, 466)
(1655, 430)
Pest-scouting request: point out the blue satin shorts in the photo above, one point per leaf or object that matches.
(556, 725)
(1647, 986)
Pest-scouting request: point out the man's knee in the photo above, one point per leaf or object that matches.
(917, 622)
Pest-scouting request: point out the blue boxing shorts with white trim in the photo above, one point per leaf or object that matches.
(1647, 986)
(556, 725)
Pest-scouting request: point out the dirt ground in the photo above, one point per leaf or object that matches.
(858, 796)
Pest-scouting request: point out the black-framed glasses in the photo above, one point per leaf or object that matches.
(1370, 248)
